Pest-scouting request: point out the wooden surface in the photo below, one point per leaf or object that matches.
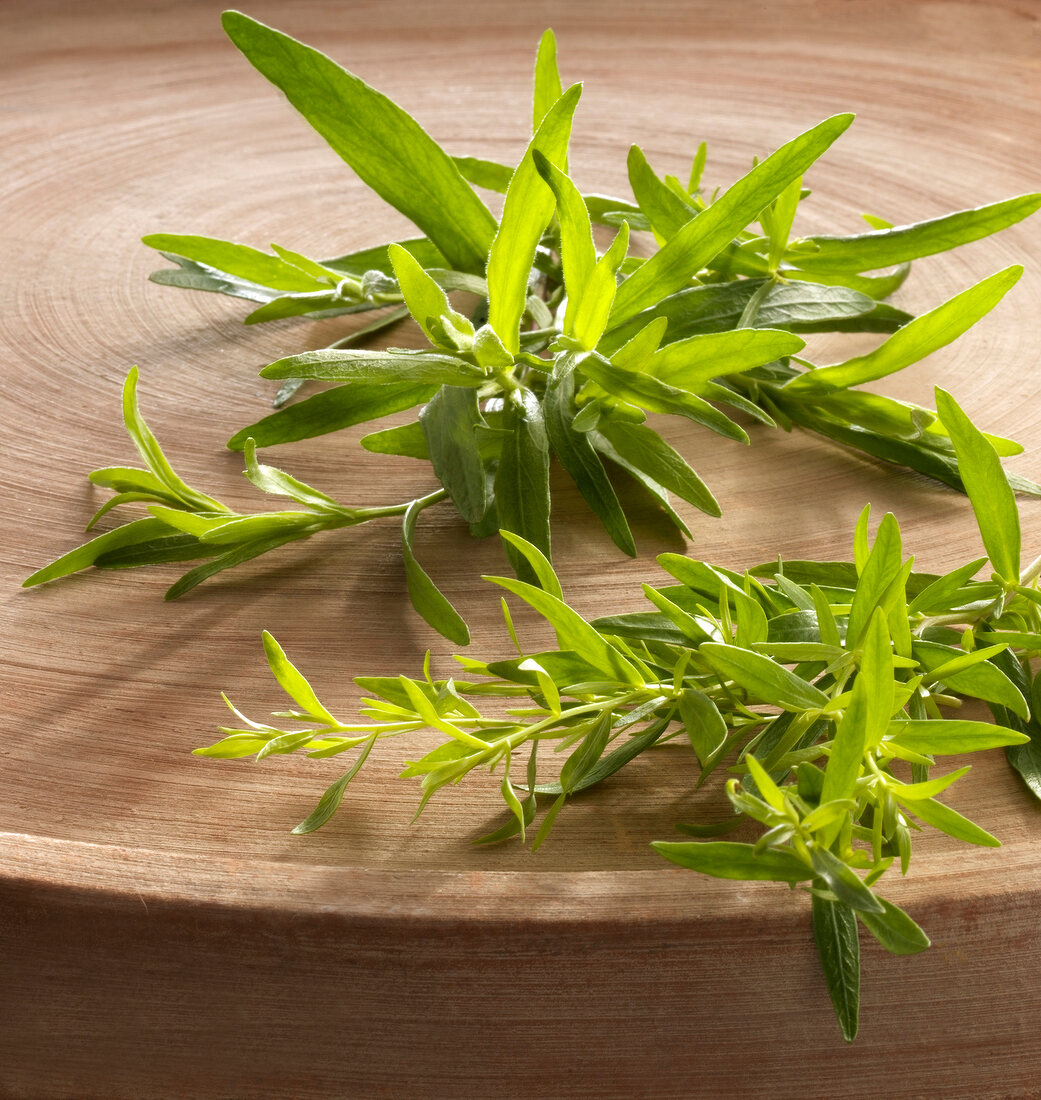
(161, 934)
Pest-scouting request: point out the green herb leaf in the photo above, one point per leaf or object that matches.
(838, 947)
(727, 859)
(673, 266)
(449, 422)
(522, 478)
(916, 340)
(993, 500)
(333, 409)
(360, 366)
(426, 597)
(384, 145)
(766, 680)
(526, 211)
(895, 930)
(644, 448)
(578, 457)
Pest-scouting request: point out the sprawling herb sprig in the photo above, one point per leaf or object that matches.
(820, 686)
(568, 349)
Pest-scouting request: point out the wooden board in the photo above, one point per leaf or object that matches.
(161, 933)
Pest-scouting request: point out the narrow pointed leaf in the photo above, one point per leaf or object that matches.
(674, 265)
(384, 145)
(427, 598)
(992, 498)
(525, 214)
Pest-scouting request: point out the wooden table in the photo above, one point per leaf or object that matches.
(161, 934)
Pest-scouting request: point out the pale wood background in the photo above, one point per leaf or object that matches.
(161, 932)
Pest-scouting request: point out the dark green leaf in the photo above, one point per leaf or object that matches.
(645, 449)
(838, 946)
(886, 247)
(578, 457)
(449, 420)
(793, 307)
(842, 880)
(329, 411)
(380, 367)
(522, 478)
(895, 930)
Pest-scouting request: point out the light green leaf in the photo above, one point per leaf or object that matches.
(592, 311)
(728, 859)
(705, 727)
(913, 342)
(766, 680)
(696, 360)
(426, 301)
(950, 735)
(644, 390)
(547, 79)
(884, 248)
(577, 251)
(665, 210)
(130, 534)
(572, 631)
(407, 440)
(673, 266)
(330, 801)
(540, 564)
(525, 214)
(992, 498)
(293, 683)
(949, 821)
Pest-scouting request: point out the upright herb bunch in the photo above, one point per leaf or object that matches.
(567, 349)
(821, 686)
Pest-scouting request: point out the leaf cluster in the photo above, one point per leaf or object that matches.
(823, 689)
(565, 350)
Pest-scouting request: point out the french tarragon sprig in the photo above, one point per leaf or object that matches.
(563, 350)
(823, 688)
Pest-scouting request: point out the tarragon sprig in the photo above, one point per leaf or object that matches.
(822, 687)
(568, 348)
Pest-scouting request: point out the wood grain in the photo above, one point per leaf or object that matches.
(161, 934)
